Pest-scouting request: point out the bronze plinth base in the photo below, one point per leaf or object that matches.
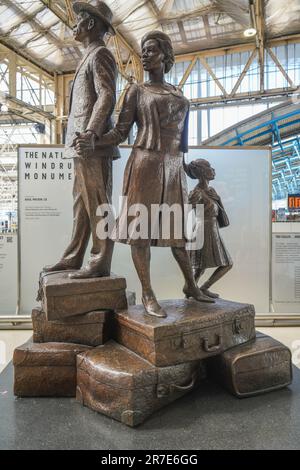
(63, 297)
(192, 330)
(116, 382)
(263, 365)
(46, 370)
(152, 361)
(92, 329)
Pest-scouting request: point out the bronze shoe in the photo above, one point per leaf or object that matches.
(210, 294)
(88, 272)
(198, 295)
(60, 266)
(154, 309)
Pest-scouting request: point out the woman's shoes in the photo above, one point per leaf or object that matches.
(210, 294)
(153, 308)
(198, 295)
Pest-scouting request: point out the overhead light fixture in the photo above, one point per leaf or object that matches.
(250, 32)
(3, 108)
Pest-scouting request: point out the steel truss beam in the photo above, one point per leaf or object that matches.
(69, 21)
(35, 81)
(254, 52)
(36, 26)
(132, 69)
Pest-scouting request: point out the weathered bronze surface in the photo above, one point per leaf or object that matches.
(46, 370)
(191, 331)
(154, 173)
(92, 102)
(92, 329)
(114, 381)
(63, 297)
(263, 365)
(213, 254)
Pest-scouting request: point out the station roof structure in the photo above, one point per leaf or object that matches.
(278, 127)
(40, 30)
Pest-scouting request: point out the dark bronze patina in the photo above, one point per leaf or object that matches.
(92, 329)
(63, 297)
(114, 381)
(261, 366)
(154, 173)
(191, 331)
(160, 356)
(213, 253)
(92, 101)
(46, 369)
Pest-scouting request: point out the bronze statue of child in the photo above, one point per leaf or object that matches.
(213, 254)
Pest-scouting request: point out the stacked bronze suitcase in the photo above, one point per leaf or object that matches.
(76, 315)
(126, 365)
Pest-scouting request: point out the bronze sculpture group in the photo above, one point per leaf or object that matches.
(88, 341)
(161, 114)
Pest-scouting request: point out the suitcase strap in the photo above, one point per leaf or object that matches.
(164, 391)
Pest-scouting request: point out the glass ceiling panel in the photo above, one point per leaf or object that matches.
(23, 33)
(133, 18)
(30, 6)
(189, 5)
(8, 19)
(47, 18)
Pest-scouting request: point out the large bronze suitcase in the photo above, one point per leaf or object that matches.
(263, 365)
(92, 329)
(116, 382)
(46, 370)
(63, 297)
(192, 330)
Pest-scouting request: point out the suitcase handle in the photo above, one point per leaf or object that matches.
(184, 388)
(164, 391)
(215, 348)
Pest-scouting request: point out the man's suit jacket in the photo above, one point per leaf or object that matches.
(93, 98)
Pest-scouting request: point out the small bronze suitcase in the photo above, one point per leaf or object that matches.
(46, 370)
(192, 330)
(63, 297)
(263, 365)
(92, 329)
(116, 382)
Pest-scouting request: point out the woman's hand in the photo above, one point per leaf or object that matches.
(84, 143)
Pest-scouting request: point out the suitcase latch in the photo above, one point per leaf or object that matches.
(183, 342)
(162, 391)
(176, 343)
(237, 326)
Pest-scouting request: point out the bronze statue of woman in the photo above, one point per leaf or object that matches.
(154, 173)
(213, 254)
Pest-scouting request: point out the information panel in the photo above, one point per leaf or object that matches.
(243, 180)
(45, 214)
(286, 273)
(8, 273)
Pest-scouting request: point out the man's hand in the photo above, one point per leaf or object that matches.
(84, 143)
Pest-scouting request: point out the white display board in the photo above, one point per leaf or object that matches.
(243, 180)
(8, 273)
(286, 273)
(45, 214)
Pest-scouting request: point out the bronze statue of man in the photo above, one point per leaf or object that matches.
(92, 101)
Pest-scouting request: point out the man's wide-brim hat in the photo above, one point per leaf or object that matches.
(99, 9)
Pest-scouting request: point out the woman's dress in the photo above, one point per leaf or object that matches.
(154, 174)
